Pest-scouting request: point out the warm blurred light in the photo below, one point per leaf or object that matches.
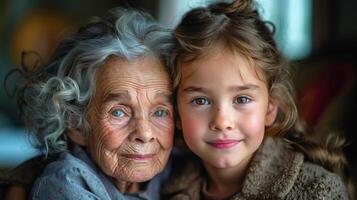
(39, 31)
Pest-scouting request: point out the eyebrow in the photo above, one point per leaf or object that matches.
(125, 95)
(165, 95)
(235, 88)
(116, 96)
(245, 87)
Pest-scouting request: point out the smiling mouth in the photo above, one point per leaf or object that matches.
(223, 144)
(139, 157)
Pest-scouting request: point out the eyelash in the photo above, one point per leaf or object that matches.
(247, 100)
(195, 100)
(237, 100)
(123, 111)
(166, 111)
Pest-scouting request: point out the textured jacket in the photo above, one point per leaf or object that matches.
(275, 172)
(74, 176)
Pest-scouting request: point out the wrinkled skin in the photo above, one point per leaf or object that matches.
(131, 117)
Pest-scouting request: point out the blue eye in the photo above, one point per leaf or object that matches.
(117, 113)
(160, 113)
(200, 101)
(242, 100)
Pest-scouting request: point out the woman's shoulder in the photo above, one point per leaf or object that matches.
(66, 163)
(67, 177)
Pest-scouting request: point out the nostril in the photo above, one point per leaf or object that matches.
(144, 140)
(143, 136)
(139, 140)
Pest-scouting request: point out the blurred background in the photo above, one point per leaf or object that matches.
(319, 37)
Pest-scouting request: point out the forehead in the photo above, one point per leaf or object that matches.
(221, 61)
(118, 75)
(140, 68)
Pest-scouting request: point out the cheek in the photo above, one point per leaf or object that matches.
(165, 134)
(253, 126)
(114, 139)
(104, 134)
(193, 126)
(108, 136)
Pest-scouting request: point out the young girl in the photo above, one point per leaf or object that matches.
(237, 114)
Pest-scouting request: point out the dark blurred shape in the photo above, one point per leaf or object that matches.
(330, 82)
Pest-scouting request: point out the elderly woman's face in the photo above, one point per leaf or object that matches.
(131, 117)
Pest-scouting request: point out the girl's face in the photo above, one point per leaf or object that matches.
(224, 108)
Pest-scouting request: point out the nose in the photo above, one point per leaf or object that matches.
(143, 132)
(222, 120)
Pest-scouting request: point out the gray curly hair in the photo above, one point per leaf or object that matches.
(55, 97)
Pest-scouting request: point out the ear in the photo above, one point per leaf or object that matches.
(271, 113)
(77, 137)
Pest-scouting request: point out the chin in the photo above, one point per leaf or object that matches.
(142, 176)
(224, 163)
(143, 173)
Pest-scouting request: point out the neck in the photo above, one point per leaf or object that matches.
(225, 182)
(127, 187)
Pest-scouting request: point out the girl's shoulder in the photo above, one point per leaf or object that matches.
(316, 182)
(312, 180)
(278, 171)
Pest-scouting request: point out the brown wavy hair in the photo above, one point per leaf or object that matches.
(238, 27)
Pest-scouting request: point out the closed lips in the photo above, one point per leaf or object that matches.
(139, 156)
(223, 144)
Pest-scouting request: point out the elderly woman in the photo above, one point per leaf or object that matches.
(104, 103)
